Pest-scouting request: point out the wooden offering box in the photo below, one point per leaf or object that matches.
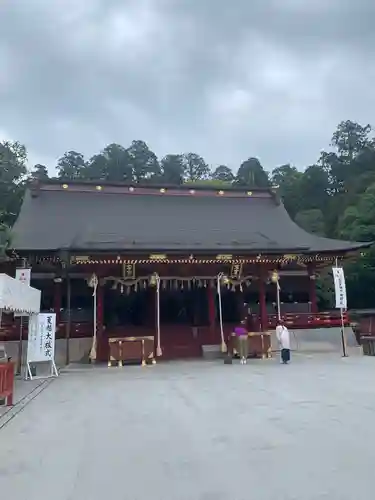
(131, 349)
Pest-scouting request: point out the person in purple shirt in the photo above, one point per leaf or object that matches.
(241, 333)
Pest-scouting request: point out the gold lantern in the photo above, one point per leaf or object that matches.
(153, 279)
(274, 276)
(225, 280)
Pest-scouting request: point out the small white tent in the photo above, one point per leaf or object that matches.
(16, 296)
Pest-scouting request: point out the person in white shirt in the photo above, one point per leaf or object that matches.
(283, 337)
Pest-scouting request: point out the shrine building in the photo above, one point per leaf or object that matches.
(173, 263)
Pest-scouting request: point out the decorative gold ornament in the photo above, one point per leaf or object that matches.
(153, 279)
(274, 276)
(225, 280)
(128, 271)
(224, 257)
(158, 256)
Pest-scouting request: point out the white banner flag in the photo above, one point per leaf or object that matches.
(41, 339)
(340, 287)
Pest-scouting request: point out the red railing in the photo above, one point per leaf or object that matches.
(310, 320)
(7, 382)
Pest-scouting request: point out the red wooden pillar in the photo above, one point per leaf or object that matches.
(262, 301)
(312, 289)
(102, 341)
(57, 300)
(211, 295)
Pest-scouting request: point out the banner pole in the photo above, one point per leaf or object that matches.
(159, 351)
(278, 300)
(342, 328)
(19, 360)
(224, 347)
(343, 340)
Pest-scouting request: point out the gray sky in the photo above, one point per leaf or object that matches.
(225, 79)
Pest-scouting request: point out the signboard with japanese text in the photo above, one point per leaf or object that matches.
(128, 271)
(236, 271)
(340, 287)
(41, 339)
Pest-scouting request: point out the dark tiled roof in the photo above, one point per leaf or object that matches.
(89, 220)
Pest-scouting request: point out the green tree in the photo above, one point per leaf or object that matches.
(143, 161)
(195, 168)
(311, 220)
(252, 174)
(287, 179)
(172, 169)
(13, 172)
(358, 223)
(350, 159)
(71, 166)
(39, 173)
(314, 188)
(5, 237)
(223, 173)
(350, 139)
(112, 164)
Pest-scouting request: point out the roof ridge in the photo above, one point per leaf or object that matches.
(197, 186)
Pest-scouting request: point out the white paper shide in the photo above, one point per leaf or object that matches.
(340, 287)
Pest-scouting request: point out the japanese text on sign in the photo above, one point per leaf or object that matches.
(41, 339)
(340, 287)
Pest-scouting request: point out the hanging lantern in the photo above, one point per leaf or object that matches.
(122, 289)
(153, 279)
(274, 276)
(225, 280)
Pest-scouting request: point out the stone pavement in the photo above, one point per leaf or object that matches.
(24, 391)
(198, 431)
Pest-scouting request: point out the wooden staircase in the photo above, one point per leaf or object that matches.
(178, 342)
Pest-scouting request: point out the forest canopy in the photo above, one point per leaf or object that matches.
(334, 197)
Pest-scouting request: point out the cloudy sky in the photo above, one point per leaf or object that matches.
(225, 79)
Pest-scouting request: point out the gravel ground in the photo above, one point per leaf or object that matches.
(197, 431)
